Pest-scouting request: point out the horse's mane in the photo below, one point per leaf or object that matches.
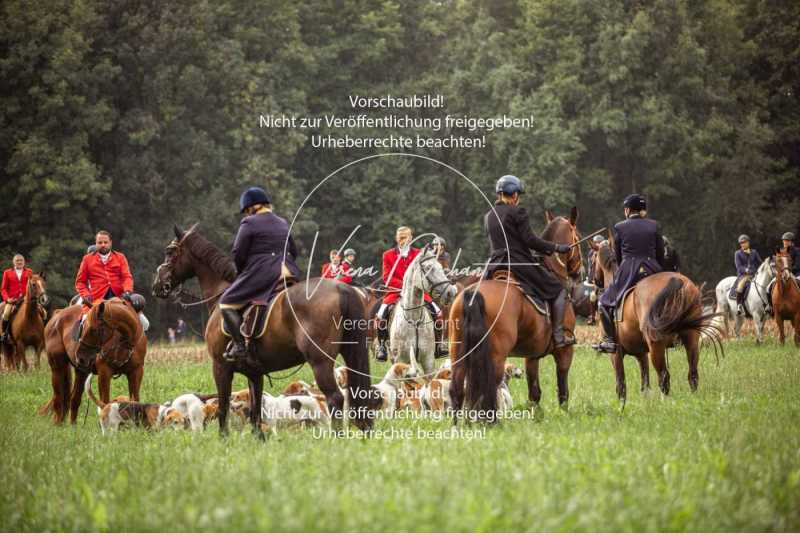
(606, 256)
(206, 251)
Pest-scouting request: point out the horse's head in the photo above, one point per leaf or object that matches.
(605, 264)
(37, 289)
(106, 321)
(783, 263)
(564, 230)
(766, 272)
(434, 279)
(177, 266)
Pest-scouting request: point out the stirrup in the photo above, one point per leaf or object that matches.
(606, 346)
(566, 340)
(382, 354)
(234, 351)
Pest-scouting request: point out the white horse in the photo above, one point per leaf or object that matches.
(757, 300)
(411, 336)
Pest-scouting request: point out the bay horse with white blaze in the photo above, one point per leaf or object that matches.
(786, 297)
(27, 325)
(112, 343)
(309, 322)
(492, 320)
(657, 311)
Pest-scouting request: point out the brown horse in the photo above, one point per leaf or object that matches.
(660, 309)
(27, 325)
(786, 297)
(310, 322)
(112, 343)
(493, 320)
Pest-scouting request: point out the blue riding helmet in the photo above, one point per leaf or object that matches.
(251, 197)
(788, 236)
(636, 202)
(509, 184)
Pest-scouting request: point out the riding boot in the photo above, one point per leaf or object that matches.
(558, 308)
(383, 340)
(609, 343)
(3, 331)
(233, 323)
(440, 349)
(740, 303)
(592, 320)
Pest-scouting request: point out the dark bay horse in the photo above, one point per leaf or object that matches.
(492, 320)
(786, 297)
(310, 322)
(27, 325)
(660, 309)
(112, 343)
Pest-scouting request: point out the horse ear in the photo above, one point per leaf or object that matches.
(573, 216)
(548, 216)
(178, 232)
(194, 227)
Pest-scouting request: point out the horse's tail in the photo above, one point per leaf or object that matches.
(90, 393)
(677, 309)
(475, 353)
(356, 355)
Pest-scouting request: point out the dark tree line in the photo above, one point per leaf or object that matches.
(134, 115)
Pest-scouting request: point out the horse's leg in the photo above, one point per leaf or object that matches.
(657, 356)
(326, 381)
(563, 362)
(644, 369)
(135, 377)
(77, 393)
(459, 374)
(104, 377)
(59, 378)
(796, 326)
(256, 385)
(223, 377)
(19, 355)
(532, 376)
(737, 325)
(758, 322)
(691, 341)
(781, 332)
(619, 369)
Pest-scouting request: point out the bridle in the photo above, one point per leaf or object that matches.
(122, 342)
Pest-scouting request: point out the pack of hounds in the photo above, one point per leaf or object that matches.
(300, 405)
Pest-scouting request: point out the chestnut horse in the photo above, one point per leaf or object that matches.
(112, 343)
(310, 322)
(27, 325)
(786, 297)
(492, 320)
(659, 309)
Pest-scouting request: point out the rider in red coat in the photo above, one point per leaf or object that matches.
(395, 263)
(15, 283)
(330, 270)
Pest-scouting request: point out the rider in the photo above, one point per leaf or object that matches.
(747, 262)
(346, 270)
(672, 262)
(639, 250)
(794, 253)
(508, 222)
(330, 270)
(261, 264)
(395, 263)
(442, 255)
(15, 283)
(594, 245)
(104, 274)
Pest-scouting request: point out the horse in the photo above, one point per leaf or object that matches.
(757, 301)
(656, 311)
(492, 320)
(27, 325)
(411, 335)
(112, 343)
(309, 322)
(786, 297)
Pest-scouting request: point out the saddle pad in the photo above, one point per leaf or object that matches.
(621, 306)
(507, 276)
(255, 318)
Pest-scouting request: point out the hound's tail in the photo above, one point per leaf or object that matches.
(91, 395)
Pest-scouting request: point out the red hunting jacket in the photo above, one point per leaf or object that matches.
(13, 287)
(339, 273)
(393, 275)
(95, 278)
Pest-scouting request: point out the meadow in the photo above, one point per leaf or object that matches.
(725, 458)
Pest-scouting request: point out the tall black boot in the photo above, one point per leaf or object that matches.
(609, 343)
(233, 324)
(383, 339)
(558, 308)
(3, 331)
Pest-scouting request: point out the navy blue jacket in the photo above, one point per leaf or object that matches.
(747, 264)
(795, 253)
(258, 253)
(640, 252)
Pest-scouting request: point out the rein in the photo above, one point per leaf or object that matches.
(103, 353)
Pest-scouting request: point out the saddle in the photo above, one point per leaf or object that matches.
(508, 277)
(618, 310)
(255, 315)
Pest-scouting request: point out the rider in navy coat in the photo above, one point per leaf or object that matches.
(261, 263)
(747, 262)
(793, 251)
(639, 248)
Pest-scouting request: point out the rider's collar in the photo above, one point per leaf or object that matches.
(634, 215)
(404, 250)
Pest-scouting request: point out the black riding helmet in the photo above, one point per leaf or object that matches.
(509, 184)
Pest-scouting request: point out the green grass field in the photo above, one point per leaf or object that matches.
(725, 458)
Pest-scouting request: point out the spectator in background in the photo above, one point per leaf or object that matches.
(180, 330)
